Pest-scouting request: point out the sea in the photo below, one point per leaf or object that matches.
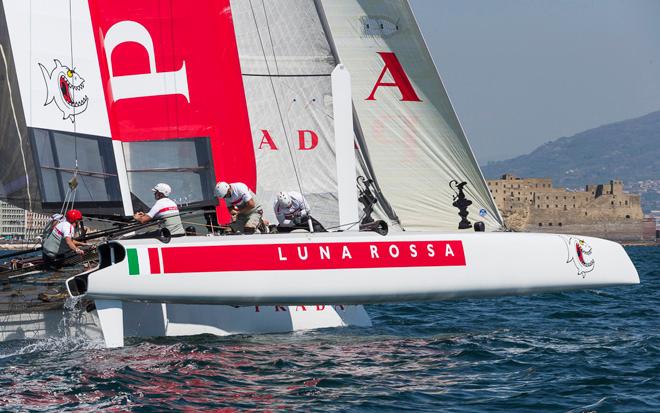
(586, 351)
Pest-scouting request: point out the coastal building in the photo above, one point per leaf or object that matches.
(602, 210)
(12, 222)
(655, 217)
(35, 224)
(17, 224)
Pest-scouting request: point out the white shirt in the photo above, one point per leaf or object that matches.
(299, 209)
(64, 229)
(54, 244)
(164, 207)
(240, 195)
(168, 209)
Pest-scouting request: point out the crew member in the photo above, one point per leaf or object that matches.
(244, 208)
(292, 212)
(54, 220)
(60, 240)
(163, 208)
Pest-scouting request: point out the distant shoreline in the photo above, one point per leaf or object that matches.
(639, 243)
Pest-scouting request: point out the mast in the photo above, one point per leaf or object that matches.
(344, 147)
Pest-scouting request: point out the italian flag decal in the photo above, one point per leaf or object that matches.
(143, 261)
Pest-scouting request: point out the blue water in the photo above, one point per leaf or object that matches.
(588, 351)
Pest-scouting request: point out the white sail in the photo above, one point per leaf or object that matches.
(415, 142)
(286, 63)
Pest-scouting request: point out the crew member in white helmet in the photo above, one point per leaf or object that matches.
(163, 208)
(244, 208)
(292, 212)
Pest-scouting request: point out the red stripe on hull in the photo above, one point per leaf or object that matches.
(154, 261)
(313, 256)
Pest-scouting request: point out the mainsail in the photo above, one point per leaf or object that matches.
(124, 97)
(236, 90)
(415, 142)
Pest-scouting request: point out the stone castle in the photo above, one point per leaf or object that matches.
(602, 210)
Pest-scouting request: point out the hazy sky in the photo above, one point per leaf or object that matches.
(524, 72)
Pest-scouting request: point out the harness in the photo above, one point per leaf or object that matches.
(58, 231)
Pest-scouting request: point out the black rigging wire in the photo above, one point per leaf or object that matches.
(73, 90)
(73, 185)
(270, 36)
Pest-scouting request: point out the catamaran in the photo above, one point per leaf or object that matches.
(305, 95)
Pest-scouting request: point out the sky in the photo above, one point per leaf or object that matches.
(524, 72)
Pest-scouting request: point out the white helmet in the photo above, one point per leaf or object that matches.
(284, 200)
(221, 189)
(164, 189)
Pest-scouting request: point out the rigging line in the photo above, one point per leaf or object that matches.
(73, 90)
(70, 199)
(82, 179)
(65, 203)
(18, 129)
(272, 45)
(277, 102)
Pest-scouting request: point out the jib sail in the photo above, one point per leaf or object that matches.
(415, 142)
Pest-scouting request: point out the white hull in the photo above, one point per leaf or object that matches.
(155, 320)
(339, 268)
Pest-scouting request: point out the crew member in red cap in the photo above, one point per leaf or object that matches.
(60, 240)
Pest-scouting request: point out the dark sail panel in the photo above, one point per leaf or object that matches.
(57, 154)
(18, 182)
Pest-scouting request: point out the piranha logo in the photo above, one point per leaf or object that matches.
(62, 86)
(579, 252)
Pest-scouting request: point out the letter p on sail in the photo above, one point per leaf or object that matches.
(148, 84)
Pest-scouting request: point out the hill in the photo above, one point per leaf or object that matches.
(627, 150)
